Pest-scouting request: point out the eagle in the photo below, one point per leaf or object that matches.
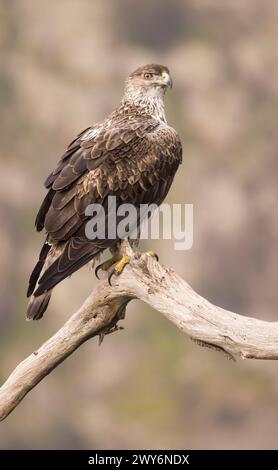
(133, 155)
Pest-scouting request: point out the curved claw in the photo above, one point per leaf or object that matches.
(97, 269)
(110, 275)
(105, 265)
(153, 255)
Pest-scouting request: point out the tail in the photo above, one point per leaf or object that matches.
(37, 306)
(56, 262)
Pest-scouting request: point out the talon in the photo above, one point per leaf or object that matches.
(97, 269)
(118, 268)
(110, 277)
(153, 255)
(106, 265)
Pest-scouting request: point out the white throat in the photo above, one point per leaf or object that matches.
(149, 101)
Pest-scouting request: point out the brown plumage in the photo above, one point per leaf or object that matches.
(133, 155)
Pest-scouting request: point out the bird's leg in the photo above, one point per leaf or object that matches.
(121, 256)
(119, 267)
(106, 265)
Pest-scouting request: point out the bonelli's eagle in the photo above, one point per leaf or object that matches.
(132, 154)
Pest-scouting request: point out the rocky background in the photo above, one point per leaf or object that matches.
(62, 66)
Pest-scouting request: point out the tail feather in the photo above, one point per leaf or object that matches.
(52, 276)
(56, 262)
(37, 306)
(37, 269)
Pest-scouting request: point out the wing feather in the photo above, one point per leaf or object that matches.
(133, 158)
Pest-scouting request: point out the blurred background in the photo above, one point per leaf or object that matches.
(62, 66)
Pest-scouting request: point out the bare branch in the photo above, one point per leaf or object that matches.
(164, 290)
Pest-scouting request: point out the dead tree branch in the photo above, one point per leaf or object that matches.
(165, 291)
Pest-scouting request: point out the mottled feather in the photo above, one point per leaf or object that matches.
(133, 155)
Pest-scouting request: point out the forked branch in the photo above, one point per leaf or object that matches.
(161, 288)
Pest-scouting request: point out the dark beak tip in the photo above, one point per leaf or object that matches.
(170, 82)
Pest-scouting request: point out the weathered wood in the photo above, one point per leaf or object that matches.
(164, 290)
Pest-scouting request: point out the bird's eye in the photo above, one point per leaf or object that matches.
(148, 75)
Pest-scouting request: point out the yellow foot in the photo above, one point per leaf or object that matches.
(152, 254)
(119, 267)
(106, 265)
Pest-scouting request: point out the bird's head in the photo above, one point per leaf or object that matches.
(151, 79)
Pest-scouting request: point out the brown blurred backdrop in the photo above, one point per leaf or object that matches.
(62, 66)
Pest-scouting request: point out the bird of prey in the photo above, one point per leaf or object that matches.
(133, 154)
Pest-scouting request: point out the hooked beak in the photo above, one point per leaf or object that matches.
(165, 80)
